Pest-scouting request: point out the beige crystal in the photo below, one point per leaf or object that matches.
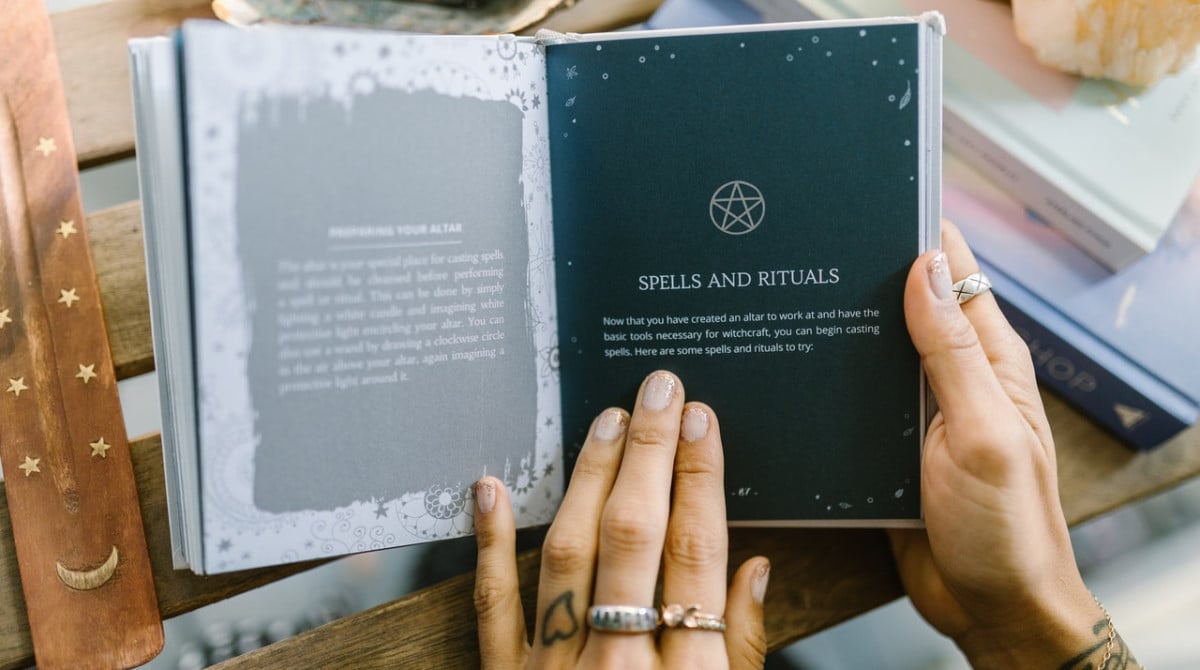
(1132, 41)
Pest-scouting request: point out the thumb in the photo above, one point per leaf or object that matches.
(745, 637)
(957, 366)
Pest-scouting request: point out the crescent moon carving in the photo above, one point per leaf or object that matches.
(86, 580)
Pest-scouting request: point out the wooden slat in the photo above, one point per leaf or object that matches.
(178, 591)
(116, 237)
(95, 68)
(818, 577)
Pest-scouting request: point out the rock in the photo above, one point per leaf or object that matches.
(1132, 41)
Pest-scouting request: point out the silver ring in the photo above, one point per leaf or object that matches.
(690, 617)
(622, 618)
(970, 286)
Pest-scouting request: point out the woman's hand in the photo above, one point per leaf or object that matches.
(994, 569)
(620, 520)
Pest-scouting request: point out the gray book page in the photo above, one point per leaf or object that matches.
(372, 279)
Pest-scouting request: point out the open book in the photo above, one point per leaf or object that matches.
(382, 265)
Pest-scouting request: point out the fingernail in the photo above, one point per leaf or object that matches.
(939, 276)
(609, 426)
(485, 496)
(758, 586)
(659, 391)
(695, 424)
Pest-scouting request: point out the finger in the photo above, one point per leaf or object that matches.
(696, 554)
(497, 593)
(634, 521)
(745, 637)
(569, 552)
(995, 334)
(1007, 352)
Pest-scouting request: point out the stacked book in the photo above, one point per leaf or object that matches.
(1080, 199)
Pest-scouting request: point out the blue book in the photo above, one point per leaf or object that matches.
(1122, 347)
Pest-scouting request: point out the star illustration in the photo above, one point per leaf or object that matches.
(67, 229)
(46, 146)
(4, 318)
(30, 466)
(68, 297)
(86, 372)
(15, 386)
(739, 211)
(380, 511)
(100, 448)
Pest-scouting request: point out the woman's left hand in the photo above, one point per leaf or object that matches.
(620, 520)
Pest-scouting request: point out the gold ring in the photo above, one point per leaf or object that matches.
(690, 617)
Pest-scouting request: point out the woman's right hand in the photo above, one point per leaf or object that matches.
(994, 569)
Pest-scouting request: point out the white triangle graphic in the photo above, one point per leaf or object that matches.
(1129, 416)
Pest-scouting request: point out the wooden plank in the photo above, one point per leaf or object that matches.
(818, 577)
(95, 68)
(178, 591)
(116, 237)
(95, 64)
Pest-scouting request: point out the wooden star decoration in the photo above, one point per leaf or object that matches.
(30, 466)
(66, 229)
(15, 386)
(86, 372)
(100, 448)
(4, 318)
(46, 146)
(67, 297)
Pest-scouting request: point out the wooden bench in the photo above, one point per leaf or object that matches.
(819, 577)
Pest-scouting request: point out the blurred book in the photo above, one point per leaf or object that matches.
(1106, 165)
(1122, 347)
(707, 13)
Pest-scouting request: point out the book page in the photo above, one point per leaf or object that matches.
(743, 209)
(373, 289)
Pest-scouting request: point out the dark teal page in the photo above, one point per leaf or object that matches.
(742, 209)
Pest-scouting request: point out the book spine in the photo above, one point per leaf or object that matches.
(1133, 416)
(1066, 214)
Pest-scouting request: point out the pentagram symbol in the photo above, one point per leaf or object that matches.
(737, 207)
